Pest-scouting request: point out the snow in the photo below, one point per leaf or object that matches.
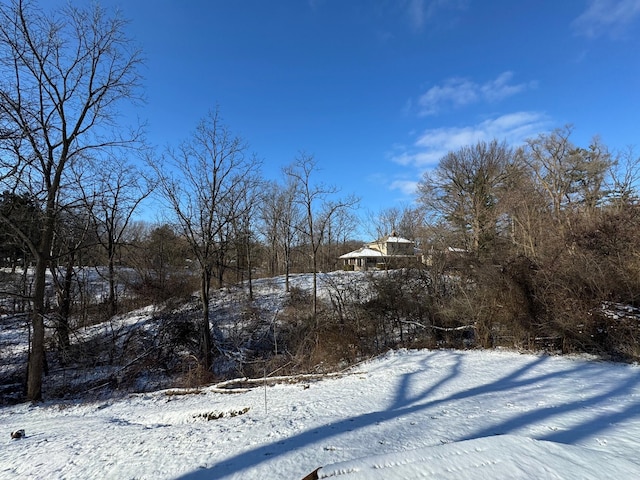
(392, 239)
(363, 252)
(484, 458)
(406, 415)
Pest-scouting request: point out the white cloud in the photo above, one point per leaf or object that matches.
(500, 88)
(458, 92)
(406, 187)
(606, 17)
(414, 158)
(455, 91)
(433, 144)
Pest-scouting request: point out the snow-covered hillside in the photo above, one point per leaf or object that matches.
(108, 351)
(407, 415)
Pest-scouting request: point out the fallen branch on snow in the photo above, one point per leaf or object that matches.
(224, 387)
(441, 329)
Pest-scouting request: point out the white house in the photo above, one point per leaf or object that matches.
(391, 251)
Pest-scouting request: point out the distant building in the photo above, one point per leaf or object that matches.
(391, 251)
(450, 254)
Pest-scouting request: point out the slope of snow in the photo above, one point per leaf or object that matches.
(407, 415)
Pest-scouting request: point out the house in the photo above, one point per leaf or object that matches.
(390, 251)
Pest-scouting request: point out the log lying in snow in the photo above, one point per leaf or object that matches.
(312, 476)
(225, 387)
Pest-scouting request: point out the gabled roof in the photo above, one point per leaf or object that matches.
(370, 250)
(392, 239)
(362, 252)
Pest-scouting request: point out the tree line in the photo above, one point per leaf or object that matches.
(72, 177)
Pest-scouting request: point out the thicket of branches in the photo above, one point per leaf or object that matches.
(535, 247)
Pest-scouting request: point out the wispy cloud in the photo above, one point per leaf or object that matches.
(420, 12)
(607, 17)
(416, 13)
(433, 144)
(458, 92)
(406, 187)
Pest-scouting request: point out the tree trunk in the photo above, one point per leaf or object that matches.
(249, 266)
(113, 299)
(65, 306)
(36, 355)
(206, 344)
(315, 285)
(287, 269)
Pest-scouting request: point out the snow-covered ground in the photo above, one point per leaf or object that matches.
(407, 415)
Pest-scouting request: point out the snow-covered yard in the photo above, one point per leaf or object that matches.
(409, 414)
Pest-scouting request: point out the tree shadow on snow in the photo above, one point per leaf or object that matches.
(580, 431)
(408, 401)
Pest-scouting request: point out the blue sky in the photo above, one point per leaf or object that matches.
(379, 90)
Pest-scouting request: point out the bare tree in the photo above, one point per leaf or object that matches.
(383, 222)
(624, 175)
(71, 237)
(281, 217)
(405, 220)
(318, 209)
(116, 195)
(338, 234)
(571, 179)
(569, 176)
(411, 222)
(269, 215)
(63, 73)
(288, 226)
(464, 190)
(526, 210)
(244, 227)
(205, 184)
(549, 158)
